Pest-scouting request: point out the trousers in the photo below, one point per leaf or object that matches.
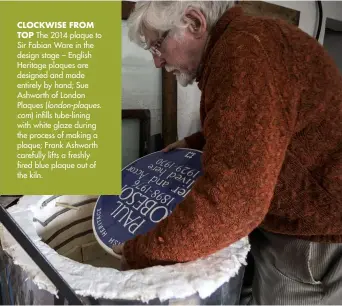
(290, 271)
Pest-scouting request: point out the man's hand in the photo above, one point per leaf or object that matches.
(178, 144)
(118, 250)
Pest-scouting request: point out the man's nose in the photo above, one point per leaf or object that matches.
(158, 61)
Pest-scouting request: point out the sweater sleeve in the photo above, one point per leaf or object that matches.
(247, 134)
(195, 141)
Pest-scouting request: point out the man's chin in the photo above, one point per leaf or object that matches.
(184, 80)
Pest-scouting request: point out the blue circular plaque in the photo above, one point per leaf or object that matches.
(152, 186)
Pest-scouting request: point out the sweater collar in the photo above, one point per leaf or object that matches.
(215, 34)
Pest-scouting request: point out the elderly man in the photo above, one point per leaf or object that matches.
(271, 113)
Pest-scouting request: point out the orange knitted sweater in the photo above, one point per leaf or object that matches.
(271, 112)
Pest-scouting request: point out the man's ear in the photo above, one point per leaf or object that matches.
(197, 22)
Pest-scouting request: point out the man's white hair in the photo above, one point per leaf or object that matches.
(161, 16)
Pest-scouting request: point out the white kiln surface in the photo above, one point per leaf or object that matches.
(203, 276)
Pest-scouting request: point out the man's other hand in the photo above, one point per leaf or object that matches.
(119, 250)
(178, 144)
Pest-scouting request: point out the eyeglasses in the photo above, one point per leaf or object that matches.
(155, 47)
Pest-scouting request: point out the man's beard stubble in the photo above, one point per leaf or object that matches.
(184, 79)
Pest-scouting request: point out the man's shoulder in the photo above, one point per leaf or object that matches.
(258, 37)
(242, 35)
(240, 41)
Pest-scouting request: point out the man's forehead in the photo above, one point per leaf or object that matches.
(150, 35)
